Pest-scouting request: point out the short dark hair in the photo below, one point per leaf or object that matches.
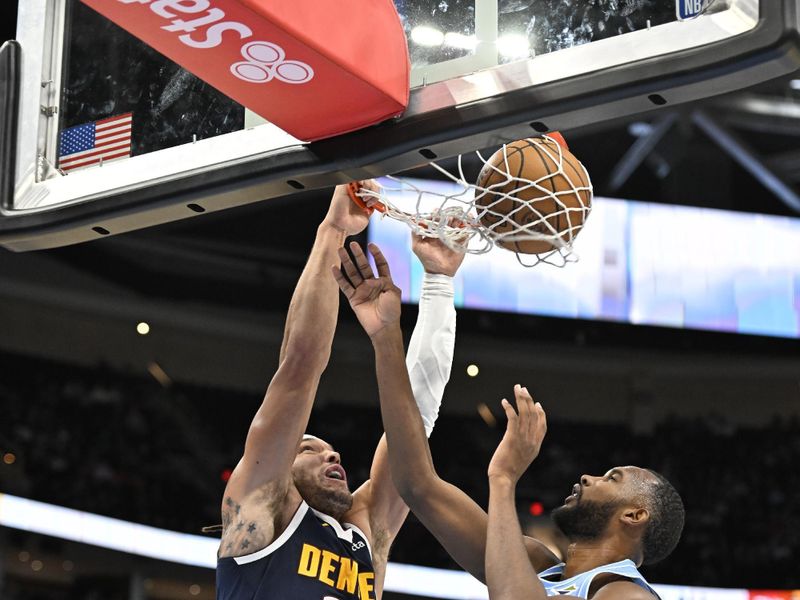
(667, 516)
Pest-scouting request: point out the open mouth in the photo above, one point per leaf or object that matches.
(576, 493)
(336, 472)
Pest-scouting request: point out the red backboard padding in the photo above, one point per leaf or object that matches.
(314, 68)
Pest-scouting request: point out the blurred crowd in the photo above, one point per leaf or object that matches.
(124, 446)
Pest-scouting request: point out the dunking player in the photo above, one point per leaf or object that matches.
(615, 522)
(291, 528)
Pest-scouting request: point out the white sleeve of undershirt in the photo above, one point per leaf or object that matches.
(430, 352)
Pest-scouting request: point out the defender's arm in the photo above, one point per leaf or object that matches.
(509, 574)
(457, 522)
(446, 511)
(429, 361)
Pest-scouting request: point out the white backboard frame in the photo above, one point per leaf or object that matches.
(463, 84)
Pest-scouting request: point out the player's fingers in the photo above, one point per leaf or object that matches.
(526, 396)
(533, 420)
(344, 285)
(522, 408)
(522, 392)
(522, 402)
(354, 190)
(371, 185)
(362, 262)
(380, 261)
(531, 415)
(369, 193)
(349, 268)
(542, 424)
(455, 222)
(534, 409)
(511, 415)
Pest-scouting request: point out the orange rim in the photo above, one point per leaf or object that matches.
(352, 189)
(558, 138)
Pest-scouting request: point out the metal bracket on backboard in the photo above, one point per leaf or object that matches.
(9, 103)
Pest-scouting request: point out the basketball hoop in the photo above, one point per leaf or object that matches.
(535, 210)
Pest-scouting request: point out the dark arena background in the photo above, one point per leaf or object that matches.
(131, 366)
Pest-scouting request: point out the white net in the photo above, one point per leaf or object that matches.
(536, 218)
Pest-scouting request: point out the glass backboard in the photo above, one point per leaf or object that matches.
(483, 72)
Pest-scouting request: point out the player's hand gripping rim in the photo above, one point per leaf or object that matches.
(372, 202)
(367, 196)
(525, 431)
(374, 299)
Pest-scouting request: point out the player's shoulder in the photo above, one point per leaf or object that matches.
(623, 589)
(245, 490)
(539, 554)
(359, 514)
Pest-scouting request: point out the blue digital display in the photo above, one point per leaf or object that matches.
(641, 263)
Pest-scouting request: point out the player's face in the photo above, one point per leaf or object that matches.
(320, 477)
(596, 500)
(619, 484)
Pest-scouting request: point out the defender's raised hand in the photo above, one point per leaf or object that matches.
(375, 300)
(525, 432)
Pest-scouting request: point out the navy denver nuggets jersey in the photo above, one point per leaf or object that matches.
(579, 584)
(315, 558)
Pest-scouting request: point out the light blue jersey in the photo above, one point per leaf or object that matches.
(579, 584)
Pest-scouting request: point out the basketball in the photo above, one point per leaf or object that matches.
(533, 186)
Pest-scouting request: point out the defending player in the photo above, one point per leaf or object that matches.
(614, 522)
(291, 527)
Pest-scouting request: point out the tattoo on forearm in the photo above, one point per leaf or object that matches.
(251, 528)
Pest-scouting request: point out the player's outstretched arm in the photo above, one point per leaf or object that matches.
(509, 573)
(429, 357)
(377, 506)
(454, 519)
(262, 478)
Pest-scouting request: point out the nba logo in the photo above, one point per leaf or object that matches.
(689, 9)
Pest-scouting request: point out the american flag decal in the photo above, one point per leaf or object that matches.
(89, 144)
